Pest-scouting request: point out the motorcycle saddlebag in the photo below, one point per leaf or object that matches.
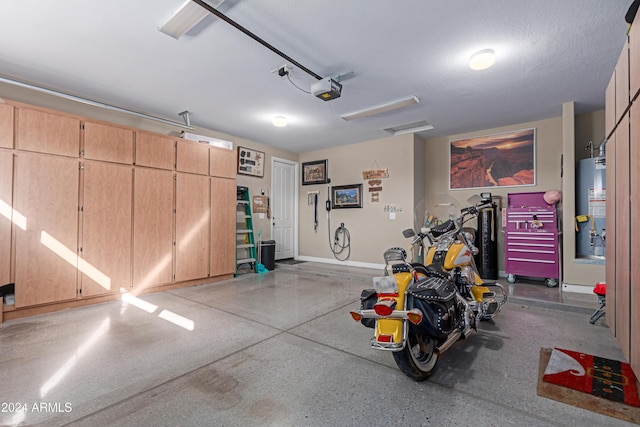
(435, 298)
(368, 298)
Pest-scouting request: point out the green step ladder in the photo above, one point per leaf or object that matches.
(246, 258)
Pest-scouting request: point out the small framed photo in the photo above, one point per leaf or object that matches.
(250, 162)
(346, 196)
(314, 172)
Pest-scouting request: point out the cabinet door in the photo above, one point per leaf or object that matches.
(634, 358)
(223, 162)
(48, 133)
(6, 182)
(192, 157)
(6, 126)
(610, 267)
(193, 217)
(223, 226)
(108, 143)
(46, 194)
(155, 151)
(623, 241)
(105, 261)
(622, 82)
(152, 227)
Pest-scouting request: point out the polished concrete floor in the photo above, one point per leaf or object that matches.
(280, 349)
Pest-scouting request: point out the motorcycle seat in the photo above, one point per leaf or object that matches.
(433, 289)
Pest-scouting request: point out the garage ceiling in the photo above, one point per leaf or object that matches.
(547, 52)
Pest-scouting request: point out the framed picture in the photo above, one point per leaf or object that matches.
(314, 172)
(502, 160)
(346, 196)
(250, 162)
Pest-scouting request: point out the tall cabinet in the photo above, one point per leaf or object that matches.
(89, 209)
(622, 118)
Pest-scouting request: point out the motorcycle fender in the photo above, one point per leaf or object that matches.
(394, 327)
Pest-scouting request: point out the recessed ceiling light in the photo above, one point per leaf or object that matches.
(279, 121)
(482, 59)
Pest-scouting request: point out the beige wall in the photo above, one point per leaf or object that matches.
(371, 229)
(548, 154)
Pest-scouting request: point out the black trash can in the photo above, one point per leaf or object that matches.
(268, 254)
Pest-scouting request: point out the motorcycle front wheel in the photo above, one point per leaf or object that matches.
(418, 358)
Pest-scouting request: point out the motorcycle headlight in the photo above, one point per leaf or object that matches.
(470, 235)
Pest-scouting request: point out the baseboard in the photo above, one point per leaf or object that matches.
(578, 289)
(338, 262)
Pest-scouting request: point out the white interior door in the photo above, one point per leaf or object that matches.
(284, 197)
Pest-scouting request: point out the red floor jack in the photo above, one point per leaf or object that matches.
(601, 291)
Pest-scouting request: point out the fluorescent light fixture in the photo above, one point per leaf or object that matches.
(185, 18)
(409, 128)
(279, 121)
(382, 108)
(482, 59)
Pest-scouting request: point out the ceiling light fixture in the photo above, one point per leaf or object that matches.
(409, 128)
(185, 18)
(382, 108)
(482, 59)
(279, 121)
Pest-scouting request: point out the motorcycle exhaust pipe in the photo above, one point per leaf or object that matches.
(449, 342)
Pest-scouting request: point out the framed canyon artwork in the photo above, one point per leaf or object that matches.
(501, 160)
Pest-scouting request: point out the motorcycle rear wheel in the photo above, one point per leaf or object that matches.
(418, 358)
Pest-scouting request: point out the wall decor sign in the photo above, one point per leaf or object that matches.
(346, 196)
(501, 160)
(250, 162)
(314, 172)
(375, 173)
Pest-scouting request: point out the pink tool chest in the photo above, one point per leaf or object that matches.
(532, 238)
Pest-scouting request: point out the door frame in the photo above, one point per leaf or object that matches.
(296, 185)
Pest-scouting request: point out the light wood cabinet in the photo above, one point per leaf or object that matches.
(45, 132)
(155, 151)
(634, 305)
(223, 226)
(133, 210)
(610, 117)
(634, 60)
(193, 215)
(623, 233)
(6, 126)
(192, 157)
(108, 143)
(622, 82)
(6, 183)
(46, 194)
(153, 221)
(105, 259)
(223, 162)
(610, 270)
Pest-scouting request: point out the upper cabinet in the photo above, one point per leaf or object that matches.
(192, 157)
(108, 143)
(48, 133)
(155, 151)
(6, 126)
(222, 162)
(622, 82)
(634, 59)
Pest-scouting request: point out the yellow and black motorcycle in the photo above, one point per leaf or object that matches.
(420, 310)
